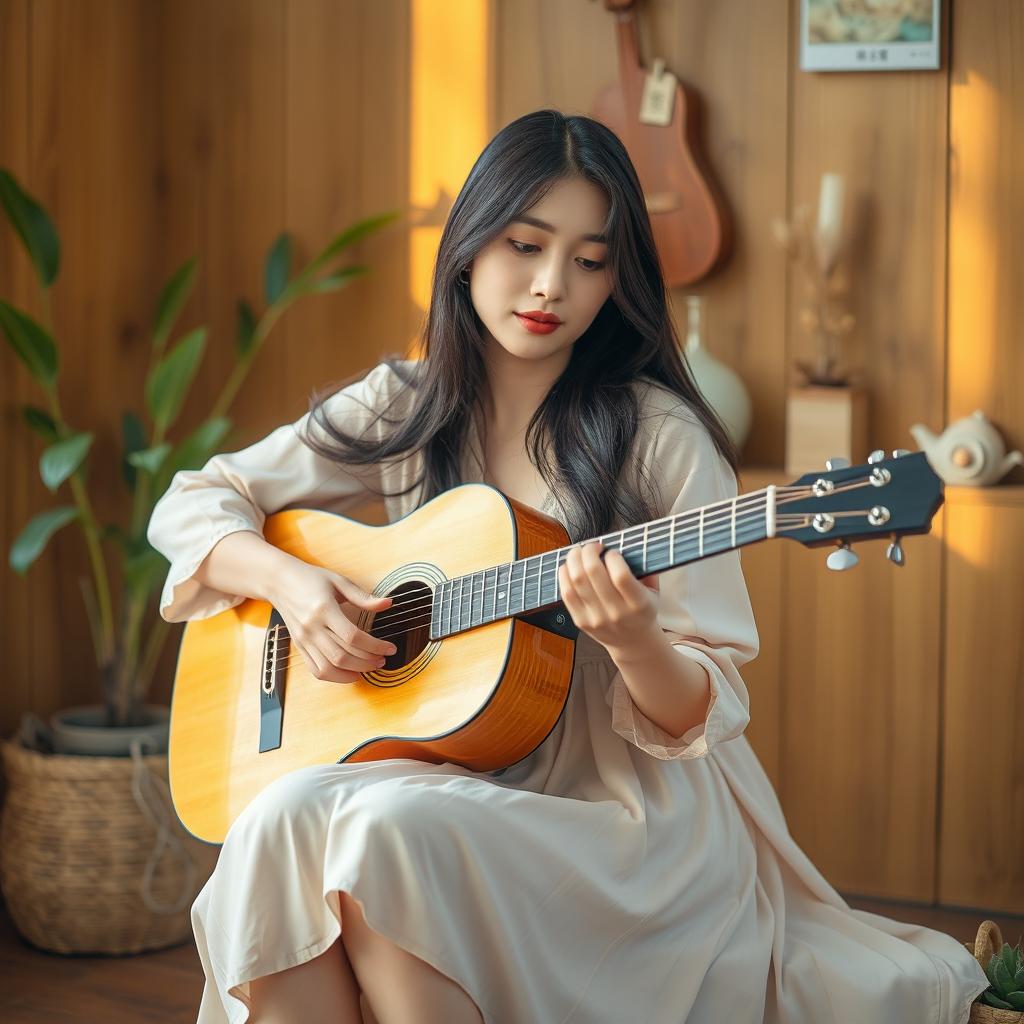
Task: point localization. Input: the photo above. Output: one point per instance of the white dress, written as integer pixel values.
(616, 874)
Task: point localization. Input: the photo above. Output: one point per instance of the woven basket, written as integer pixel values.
(92, 857)
(989, 940)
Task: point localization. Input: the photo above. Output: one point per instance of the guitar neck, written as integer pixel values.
(529, 584)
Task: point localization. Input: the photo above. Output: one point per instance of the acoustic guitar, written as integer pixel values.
(485, 647)
(689, 218)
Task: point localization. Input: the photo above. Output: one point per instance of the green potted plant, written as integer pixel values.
(128, 633)
(1003, 1001)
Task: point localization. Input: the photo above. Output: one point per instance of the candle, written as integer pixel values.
(830, 207)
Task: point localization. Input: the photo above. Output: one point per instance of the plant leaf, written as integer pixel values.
(246, 328)
(1009, 955)
(144, 570)
(33, 345)
(170, 379)
(275, 274)
(30, 543)
(133, 439)
(356, 233)
(40, 421)
(1016, 1000)
(34, 227)
(1003, 978)
(994, 1000)
(150, 459)
(332, 282)
(193, 452)
(173, 297)
(61, 459)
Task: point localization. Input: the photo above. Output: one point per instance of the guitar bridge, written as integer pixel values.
(276, 648)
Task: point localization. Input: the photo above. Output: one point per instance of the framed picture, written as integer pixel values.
(869, 35)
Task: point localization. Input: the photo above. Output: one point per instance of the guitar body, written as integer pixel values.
(689, 218)
(484, 698)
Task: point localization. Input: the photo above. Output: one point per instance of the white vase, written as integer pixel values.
(718, 383)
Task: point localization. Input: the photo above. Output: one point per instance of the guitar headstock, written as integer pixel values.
(884, 498)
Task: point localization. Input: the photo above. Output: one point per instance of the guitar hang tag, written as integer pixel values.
(659, 95)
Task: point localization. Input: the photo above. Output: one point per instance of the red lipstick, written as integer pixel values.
(537, 322)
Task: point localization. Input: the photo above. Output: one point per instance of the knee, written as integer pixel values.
(285, 802)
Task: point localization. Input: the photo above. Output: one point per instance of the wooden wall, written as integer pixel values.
(885, 702)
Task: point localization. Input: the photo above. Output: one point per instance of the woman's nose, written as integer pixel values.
(550, 280)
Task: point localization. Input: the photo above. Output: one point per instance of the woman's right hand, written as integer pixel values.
(318, 607)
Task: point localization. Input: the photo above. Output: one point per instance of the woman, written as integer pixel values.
(636, 865)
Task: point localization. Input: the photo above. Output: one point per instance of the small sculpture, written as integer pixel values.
(969, 451)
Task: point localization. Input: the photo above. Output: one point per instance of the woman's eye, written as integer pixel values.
(526, 245)
(594, 265)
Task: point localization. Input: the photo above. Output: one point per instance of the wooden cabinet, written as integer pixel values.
(887, 704)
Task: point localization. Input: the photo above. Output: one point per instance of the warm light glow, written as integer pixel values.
(975, 216)
(449, 125)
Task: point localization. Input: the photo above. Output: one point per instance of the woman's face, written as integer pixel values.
(553, 269)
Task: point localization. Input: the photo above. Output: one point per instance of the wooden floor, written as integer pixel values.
(45, 988)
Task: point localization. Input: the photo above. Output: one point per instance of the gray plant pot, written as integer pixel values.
(82, 730)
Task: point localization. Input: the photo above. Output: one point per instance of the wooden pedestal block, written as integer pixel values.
(822, 422)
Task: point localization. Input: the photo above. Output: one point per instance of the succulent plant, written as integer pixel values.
(1005, 971)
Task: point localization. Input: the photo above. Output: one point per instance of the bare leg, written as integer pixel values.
(400, 988)
(321, 991)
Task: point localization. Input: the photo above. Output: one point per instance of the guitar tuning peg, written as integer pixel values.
(842, 558)
(894, 552)
(837, 462)
(898, 453)
(876, 456)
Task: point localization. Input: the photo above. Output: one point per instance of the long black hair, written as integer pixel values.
(589, 419)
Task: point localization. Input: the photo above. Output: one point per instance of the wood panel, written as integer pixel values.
(860, 731)
(982, 833)
(20, 457)
(79, 135)
(986, 210)
(885, 132)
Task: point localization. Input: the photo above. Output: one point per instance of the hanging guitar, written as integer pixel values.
(657, 118)
(485, 648)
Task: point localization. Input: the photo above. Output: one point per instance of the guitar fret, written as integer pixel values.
(435, 616)
(464, 606)
(478, 600)
(518, 569)
(502, 601)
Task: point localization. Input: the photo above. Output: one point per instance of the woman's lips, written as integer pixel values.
(535, 326)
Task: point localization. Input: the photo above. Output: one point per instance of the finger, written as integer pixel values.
(605, 591)
(622, 578)
(584, 567)
(351, 661)
(311, 663)
(356, 640)
(357, 595)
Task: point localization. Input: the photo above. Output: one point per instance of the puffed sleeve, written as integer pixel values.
(236, 491)
(702, 606)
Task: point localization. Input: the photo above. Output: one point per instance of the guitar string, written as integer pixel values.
(422, 620)
(418, 620)
(722, 518)
(721, 523)
(718, 527)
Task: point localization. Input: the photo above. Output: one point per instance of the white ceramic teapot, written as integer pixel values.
(969, 451)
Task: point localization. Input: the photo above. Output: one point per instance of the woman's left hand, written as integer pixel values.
(606, 600)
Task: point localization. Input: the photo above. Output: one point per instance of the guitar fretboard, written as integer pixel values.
(528, 584)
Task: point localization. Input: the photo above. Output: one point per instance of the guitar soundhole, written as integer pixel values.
(406, 623)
